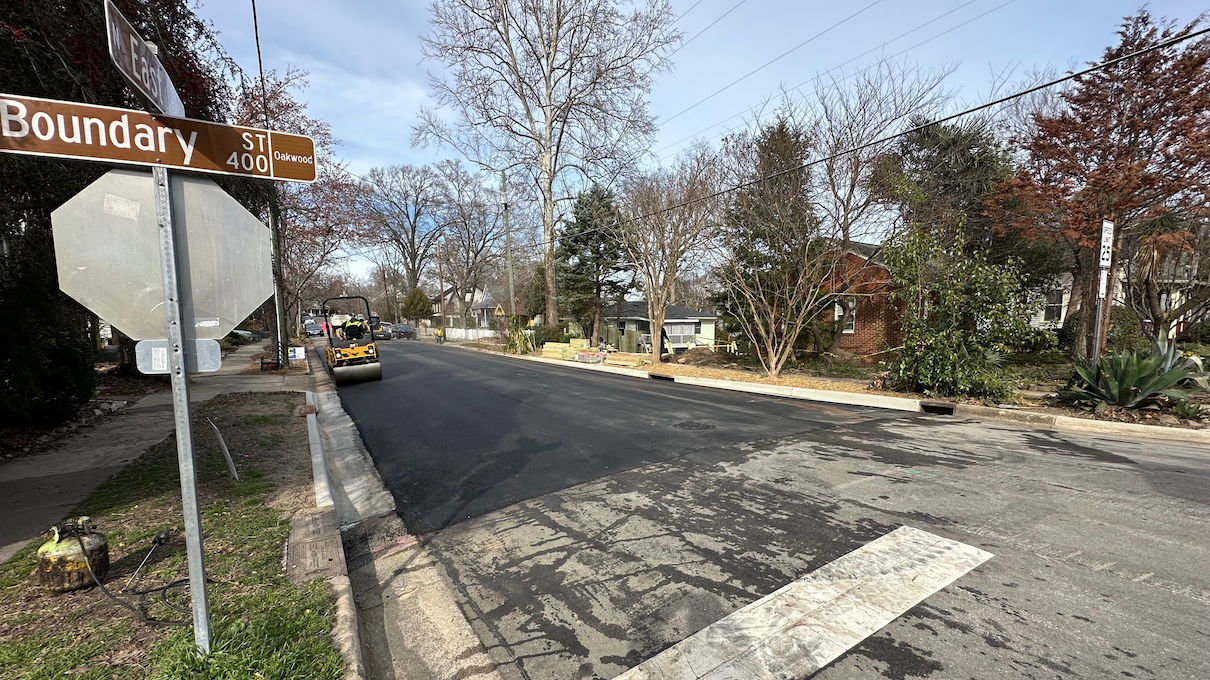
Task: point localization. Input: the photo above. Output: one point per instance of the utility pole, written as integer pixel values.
(279, 302)
(508, 244)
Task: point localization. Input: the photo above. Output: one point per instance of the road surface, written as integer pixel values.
(590, 521)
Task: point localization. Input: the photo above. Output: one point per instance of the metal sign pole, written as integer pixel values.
(1106, 259)
(174, 300)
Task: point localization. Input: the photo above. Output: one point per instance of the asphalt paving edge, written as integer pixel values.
(428, 634)
(966, 411)
(345, 633)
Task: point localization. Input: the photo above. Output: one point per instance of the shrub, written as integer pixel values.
(545, 334)
(1034, 341)
(1125, 331)
(1198, 333)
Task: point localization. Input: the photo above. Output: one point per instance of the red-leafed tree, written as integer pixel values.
(1131, 145)
(316, 221)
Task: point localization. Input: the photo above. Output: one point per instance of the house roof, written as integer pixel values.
(638, 310)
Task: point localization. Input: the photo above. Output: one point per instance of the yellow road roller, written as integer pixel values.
(351, 352)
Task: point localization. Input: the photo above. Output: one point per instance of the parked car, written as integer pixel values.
(384, 331)
(405, 331)
(313, 330)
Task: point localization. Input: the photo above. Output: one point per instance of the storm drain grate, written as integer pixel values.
(693, 425)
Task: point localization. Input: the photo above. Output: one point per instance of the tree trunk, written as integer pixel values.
(548, 247)
(656, 315)
(846, 312)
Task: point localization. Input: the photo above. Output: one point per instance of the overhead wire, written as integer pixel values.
(712, 23)
(903, 133)
(683, 14)
(849, 61)
(771, 61)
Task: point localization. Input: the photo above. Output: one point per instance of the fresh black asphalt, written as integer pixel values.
(456, 434)
(588, 521)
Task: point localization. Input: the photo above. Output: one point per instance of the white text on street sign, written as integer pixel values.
(48, 127)
(1106, 243)
(139, 64)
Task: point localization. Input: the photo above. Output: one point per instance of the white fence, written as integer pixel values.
(469, 333)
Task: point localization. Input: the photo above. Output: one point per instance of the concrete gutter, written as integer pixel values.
(1081, 425)
(968, 411)
(345, 633)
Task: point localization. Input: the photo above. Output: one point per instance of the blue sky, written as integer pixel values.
(368, 80)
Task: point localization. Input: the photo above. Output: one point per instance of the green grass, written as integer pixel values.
(263, 627)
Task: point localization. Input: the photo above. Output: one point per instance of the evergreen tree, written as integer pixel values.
(590, 259)
(416, 306)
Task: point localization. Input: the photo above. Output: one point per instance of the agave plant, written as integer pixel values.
(1132, 380)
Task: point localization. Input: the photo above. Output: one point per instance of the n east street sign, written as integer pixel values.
(139, 64)
(47, 127)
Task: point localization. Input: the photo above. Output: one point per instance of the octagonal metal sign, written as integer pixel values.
(107, 252)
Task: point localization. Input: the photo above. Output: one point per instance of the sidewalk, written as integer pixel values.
(37, 491)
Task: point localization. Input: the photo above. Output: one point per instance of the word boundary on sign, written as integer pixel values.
(48, 127)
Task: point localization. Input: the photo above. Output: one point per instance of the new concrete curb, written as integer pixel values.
(1039, 420)
(345, 633)
(1081, 425)
(827, 396)
(630, 372)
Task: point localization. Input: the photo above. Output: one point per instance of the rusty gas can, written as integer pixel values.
(61, 562)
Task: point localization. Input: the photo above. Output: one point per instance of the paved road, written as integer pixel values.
(591, 521)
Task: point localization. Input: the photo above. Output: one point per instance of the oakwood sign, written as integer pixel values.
(47, 127)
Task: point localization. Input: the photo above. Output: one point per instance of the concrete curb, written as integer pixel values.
(1039, 420)
(827, 396)
(616, 370)
(345, 633)
(1081, 425)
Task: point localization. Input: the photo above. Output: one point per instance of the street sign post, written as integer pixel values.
(48, 127)
(1103, 286)
(193, 321)
(140, 64)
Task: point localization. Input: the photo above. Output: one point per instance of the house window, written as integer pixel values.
(680, 333)
(1054, 306)
(850, 324)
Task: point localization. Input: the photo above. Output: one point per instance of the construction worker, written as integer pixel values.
(440, 333)
(354, 328)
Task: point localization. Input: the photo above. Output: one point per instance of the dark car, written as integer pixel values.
(405, 331)
(383, 332)
(313, 330)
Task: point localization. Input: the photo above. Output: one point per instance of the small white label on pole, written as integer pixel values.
(1106, 247)
(159, 359)
(1104, 284)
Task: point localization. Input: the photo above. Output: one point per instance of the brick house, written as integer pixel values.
(874, 326)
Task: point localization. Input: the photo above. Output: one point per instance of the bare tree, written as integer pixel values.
(878, 101)
(556, 86)
(472, 229)
(779, 265)
(668, 218)
(403, 201)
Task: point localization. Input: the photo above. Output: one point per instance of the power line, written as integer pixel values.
(712, 23)
(845, 63)
(883, 140)
(771, 61)
(682, 16)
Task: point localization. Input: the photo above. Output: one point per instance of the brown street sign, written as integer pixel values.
(47, 127)
(140, 64)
